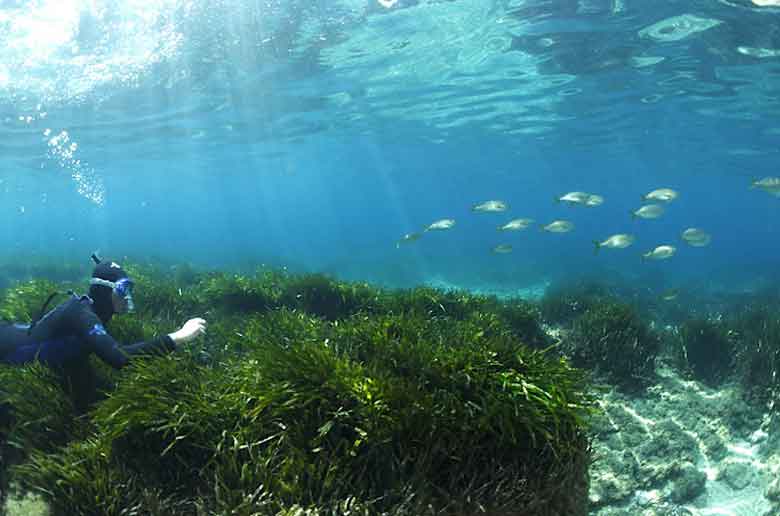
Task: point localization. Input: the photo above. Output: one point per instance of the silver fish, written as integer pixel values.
(619, 241)
(662, 252)
(516, 225)
(490, 207)
(408, 238)
(441, 225)
(502, 249)
(559, 226)
(661, 194)
(648, 211)
(696, 237)
(770, 185)
(574, 198)
(594, 200)
(767, 182)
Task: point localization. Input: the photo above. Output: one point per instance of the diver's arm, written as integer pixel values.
(104, 346)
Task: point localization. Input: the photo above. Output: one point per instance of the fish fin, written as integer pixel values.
(598, 246)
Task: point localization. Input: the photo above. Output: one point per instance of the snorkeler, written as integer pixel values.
(76, 327)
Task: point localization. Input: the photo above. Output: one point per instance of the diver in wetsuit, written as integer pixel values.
(73, 330)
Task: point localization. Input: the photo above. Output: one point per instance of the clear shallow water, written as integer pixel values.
(315, 135)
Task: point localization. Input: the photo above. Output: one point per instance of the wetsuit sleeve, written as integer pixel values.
(97, 340)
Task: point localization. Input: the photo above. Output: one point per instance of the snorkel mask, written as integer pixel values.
(110, 274)
(122, 288)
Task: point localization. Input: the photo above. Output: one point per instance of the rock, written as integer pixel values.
(608, 489)
(772, 492)
(602, 426)
(647, 499)
(669, 440)
(715, 446)
(771, 444)
(743, 418)
(654, 474)
(736, 474)
(674, 510)
(689, 484)
(758, 436)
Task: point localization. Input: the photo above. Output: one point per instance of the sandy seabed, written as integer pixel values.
(681, 448)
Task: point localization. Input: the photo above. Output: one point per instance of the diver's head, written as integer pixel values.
(111, 289)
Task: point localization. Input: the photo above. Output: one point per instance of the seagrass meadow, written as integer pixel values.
(308, 395)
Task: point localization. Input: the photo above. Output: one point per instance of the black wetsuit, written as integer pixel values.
(69, 332)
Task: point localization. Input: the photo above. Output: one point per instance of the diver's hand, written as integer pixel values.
(191, 329)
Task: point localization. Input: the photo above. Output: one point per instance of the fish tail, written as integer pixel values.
(633, 215)
(597, 245)
(557, 200)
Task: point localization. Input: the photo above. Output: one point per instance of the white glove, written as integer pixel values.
(191, 329)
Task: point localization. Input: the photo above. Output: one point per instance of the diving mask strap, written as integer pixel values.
(112, 286)
(102, 283)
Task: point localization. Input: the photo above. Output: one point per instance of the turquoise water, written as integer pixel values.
(315, 134)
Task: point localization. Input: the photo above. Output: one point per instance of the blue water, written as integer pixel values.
(315, 134)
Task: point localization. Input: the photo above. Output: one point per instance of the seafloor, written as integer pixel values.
(674, 447)
(677, 447)
(682, 448)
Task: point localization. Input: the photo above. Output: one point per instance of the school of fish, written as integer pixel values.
(653, 208)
